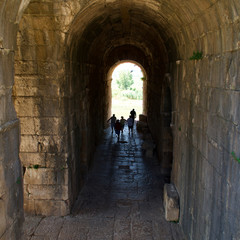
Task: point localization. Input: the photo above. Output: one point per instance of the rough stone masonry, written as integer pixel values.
(55, 63)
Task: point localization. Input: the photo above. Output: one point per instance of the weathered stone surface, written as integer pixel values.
(148, 147)
(142, 118)
(34, 143)
(46, 192)
(103, 211)
(141, 126)
(68, 50)
(57, 160)
(3, 225)
(51, 207)
(29, 205)
(30, 224)
(171, 203)
(38, 176)
(30, 159)
(49, 226)
(11, 196)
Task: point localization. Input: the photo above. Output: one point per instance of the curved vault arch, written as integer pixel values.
(118, 63)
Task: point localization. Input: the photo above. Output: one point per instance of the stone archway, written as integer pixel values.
(144, 86)
(69, 53)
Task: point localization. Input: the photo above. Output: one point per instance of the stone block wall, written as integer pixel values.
(41, 108)
(159, 119)
(41, 99)
(55, 98)
(11, 192)
(205, 120)
(206, 128)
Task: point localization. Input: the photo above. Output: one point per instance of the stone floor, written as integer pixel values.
(122, 199)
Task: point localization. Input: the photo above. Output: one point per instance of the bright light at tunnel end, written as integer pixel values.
(124, 100)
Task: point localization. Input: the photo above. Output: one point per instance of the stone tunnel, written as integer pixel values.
(56, 60)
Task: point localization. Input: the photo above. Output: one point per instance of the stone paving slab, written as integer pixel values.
(121, 200)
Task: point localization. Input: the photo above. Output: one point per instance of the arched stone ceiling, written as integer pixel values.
(151, 25)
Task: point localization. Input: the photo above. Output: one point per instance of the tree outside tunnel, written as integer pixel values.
(127, 89)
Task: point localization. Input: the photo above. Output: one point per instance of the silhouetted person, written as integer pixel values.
(133, 115)
(122, 121)
(118, 128)
(130, 122)
(113, 121)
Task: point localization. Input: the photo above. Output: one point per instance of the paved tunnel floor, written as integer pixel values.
(122, 199)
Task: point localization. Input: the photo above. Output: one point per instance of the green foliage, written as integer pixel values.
(235, 157)
(196, 56)
(135, 94)
(125, 80)
(36, 166)
(18, 180)
(132, 94)
(127, 84)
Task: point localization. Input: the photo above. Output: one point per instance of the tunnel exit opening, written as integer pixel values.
(127, 88)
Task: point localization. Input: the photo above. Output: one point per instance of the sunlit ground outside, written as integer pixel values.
(123, 107)
(127, 90)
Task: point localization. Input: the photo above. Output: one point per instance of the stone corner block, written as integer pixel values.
(52, 207)
(141, 125)
(171, 202)
(142, 118)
